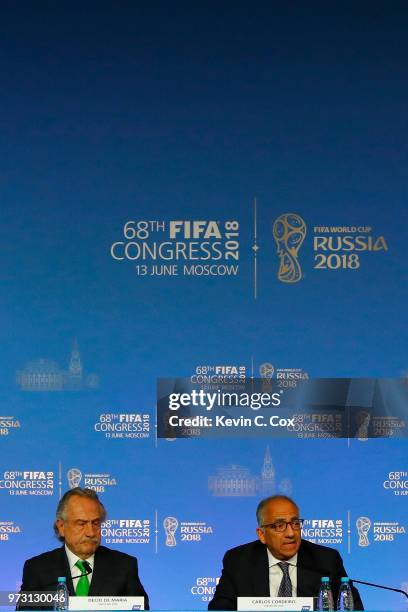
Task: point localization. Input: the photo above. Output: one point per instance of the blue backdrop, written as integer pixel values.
(283, 128)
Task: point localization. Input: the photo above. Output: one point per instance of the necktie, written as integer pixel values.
(82, 587)
(285, 587)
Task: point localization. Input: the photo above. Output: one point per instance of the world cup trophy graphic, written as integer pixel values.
(363, 421)
(363, 525)
(74, 477)
(289, 231)
(170, 525)
(266, 371)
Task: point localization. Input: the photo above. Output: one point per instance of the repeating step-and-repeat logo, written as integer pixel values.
(370, 531)
(279, 377)
(9, 530)
(234, 374)
(186, 248)
(396, 482)
(326, 531)
(126, 531)
(378, 426)
(9, 424)
(333, 248)
(208, 247)
(123, 425)
(98, 481)
(209, 374)
(289, 231)
(204, 587)
(27, 482)
(177, 531)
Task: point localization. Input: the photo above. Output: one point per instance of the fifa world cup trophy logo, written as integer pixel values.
(289, 231)
(266, 371)
(74, 477)
(170, 525)
(363, 421)
(363, 525)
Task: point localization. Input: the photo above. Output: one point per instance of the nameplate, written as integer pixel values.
(106, 603)
(275, 603)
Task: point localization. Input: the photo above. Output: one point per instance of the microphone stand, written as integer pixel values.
(380, 586)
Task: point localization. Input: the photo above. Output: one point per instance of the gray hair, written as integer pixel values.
(61, 513)
(266, 501)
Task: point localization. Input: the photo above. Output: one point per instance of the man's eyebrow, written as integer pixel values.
(283, 518)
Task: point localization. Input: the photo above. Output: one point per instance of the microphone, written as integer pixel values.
(88, 570)
(323, 572)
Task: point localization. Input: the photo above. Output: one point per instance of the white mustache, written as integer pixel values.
(92, 539)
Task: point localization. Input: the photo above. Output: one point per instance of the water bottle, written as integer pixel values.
(62, 596)
(325, 600)
(345, 599)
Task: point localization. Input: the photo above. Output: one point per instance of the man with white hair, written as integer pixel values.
(78, 522)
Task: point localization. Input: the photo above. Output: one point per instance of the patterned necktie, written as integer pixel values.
(82, 587)
(285, 587)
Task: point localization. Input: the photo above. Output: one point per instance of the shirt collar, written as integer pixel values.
(72, 559)
(274, 561)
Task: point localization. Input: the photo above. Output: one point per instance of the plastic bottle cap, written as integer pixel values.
(62, 579)
(325, 579)
(345, 579)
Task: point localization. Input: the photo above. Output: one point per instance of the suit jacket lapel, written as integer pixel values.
(308, 581)
(65, 570)
(260, 572)
(100, 573)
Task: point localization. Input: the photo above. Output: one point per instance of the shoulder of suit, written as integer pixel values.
(115, 555)
(246, 549)
(318, 548)
(50, 555)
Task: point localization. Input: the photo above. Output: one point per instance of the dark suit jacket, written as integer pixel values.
(114, 573)
(246, 574)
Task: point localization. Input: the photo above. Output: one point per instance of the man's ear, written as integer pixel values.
(261, 534)
(59, 523)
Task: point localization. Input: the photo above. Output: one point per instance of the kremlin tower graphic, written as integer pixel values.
(46, 375)
(238, 481)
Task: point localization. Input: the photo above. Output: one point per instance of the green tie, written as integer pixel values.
(82, 587)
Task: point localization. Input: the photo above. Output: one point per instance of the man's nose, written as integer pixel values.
(289, 530)
(90, 529)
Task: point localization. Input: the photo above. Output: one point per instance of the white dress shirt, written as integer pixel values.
(276, 574)
(75, 571)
